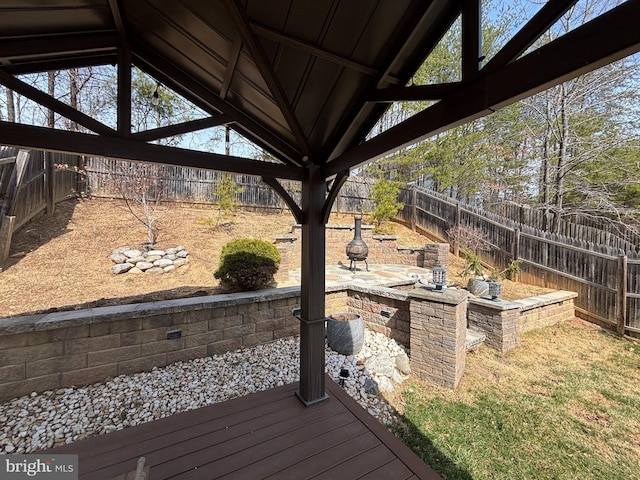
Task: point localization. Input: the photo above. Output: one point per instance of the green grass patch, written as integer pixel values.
(565, 405)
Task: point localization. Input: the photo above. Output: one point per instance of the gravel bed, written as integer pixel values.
(43, 420)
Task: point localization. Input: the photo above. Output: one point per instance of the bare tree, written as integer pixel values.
(141, 187)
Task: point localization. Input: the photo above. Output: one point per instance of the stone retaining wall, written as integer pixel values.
(49, 351)
(54, 350)
(383, 249)
(504, 322)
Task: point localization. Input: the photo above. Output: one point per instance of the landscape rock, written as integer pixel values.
(371, 387)
(380, 364)
(403, 364)
(162, 262)
(121, 268)
(384, 384)
(118, 257)
(154, 271)
(132, 260)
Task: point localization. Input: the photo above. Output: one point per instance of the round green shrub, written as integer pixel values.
(248, 264)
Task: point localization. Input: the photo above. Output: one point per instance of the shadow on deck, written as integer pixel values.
(264, 435)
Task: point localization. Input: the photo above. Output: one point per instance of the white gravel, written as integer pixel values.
(42, 420)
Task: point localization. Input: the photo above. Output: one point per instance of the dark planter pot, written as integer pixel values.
(345, 333)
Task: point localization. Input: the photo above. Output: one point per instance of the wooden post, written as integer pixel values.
(622, 293)
(6, 232)
(124, 92)
(414, 209)
(15, 182)
(515, 249)
(49, 184)
(456, 245)
(312, 303)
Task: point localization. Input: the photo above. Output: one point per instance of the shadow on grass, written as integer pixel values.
(422, 446)
(39, 231)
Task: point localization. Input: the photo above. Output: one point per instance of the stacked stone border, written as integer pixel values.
(62, 349)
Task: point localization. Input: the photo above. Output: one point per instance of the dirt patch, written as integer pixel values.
(62, 262)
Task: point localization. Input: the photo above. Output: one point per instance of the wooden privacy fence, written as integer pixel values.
(607, 279)
(191, 185)
(573, 225)
(32, 182)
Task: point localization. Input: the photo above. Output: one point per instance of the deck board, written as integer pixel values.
(264, 435)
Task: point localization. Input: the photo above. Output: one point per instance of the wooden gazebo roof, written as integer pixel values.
(304, 79)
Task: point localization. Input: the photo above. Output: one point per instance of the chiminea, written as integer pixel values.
(356, 249)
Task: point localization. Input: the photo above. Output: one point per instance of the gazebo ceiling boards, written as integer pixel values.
(306, 80)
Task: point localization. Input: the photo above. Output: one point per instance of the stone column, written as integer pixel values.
(436, 254)
(438, 335)
(285, 245)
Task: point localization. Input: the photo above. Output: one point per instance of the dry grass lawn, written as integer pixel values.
(62, 261)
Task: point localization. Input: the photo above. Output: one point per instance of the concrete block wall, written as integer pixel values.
(384, 310)
(504, 322)
(50, 351)
(383, 249)
(546, 310)
(62, 349)
(497, 320)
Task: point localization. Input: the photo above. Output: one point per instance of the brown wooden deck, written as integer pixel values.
(265, 435)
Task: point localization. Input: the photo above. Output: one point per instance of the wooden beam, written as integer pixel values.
(338, 182)
(260, 58)
(359, 120)
(291, 203)
(124, 92)
(195, 92)
(181, 128)
(311, 49)
(117, 19)
(471, 39)
(231, 67)
(573, 54)
(128, 149)
(41, 47)
(61, 63)
(415, 93)
(549, 14)
(57, 106)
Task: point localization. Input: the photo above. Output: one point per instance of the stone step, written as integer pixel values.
(475, 338)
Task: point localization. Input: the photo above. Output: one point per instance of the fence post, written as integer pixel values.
(6, 232)
(456, 245)
(622, 293)
(413, 208)
(49, 185)
(515, 248)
